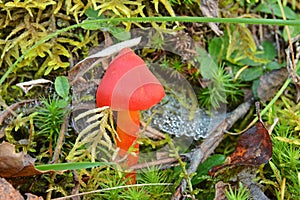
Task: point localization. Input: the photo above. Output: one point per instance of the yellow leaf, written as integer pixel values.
(68, 40)
(168, 7)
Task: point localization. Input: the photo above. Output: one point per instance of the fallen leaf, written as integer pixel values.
(14, 164)
(7, 191)
(26, 86)
(33, 197)
(254, 148)
(270, 83)
(220, 190)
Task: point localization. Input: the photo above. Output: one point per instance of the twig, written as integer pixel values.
(160, 162)
(10, 109)
(202, 152)
(150, 132)
(76, 188)
(60, 138)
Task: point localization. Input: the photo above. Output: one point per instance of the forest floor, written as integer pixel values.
(225, 124)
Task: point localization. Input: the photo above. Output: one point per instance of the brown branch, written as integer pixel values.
(152, 133)
(161, 162)
(10, 109)
(60, 139)
(207, 147)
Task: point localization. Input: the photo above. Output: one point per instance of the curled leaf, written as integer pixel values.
(14, 164)
(254, 148)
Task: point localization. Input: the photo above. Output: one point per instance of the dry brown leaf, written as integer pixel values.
(14, 164)
(270, 83)
(33, 197)
(8, 192)
(253, 148)
(220, 188)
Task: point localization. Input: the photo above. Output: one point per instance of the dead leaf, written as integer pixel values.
(14, 164)
(220, 188)
(115, 48)
(7, 191)
(26, 86)
(33, 197)
(254, 148)
(270, 83)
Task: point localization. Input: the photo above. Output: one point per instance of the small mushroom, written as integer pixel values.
(128, 86)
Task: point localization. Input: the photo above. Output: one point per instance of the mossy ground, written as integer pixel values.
(241, 56)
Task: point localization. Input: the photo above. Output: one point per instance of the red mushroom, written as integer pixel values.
(128, 87)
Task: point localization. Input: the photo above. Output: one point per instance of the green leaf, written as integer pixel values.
(93, 14)
(273, 65)
(70, 166)
(215, 48)
(249, 62)
(269, 51)
(62, 86)
(251, 73)
(62, 103)
(119, 33)
(92, 25)
(274, 8)
(203, 168)
(208, 68)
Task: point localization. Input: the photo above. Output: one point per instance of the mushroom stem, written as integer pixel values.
(128, 123)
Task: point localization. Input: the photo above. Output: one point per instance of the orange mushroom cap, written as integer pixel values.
(128, 84)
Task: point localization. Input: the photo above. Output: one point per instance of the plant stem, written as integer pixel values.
(277, 22)
(183, 165)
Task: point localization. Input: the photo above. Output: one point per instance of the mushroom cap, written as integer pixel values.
(128, 84)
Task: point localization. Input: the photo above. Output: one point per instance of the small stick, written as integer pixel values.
(161, 162)
(207, 147)
(60, 139)
(10, 109)
(150, 132)
(76, 188)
